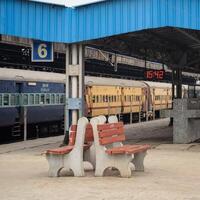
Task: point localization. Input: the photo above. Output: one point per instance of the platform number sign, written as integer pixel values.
(42, 51)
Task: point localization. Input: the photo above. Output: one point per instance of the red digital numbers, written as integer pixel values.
(154, 74)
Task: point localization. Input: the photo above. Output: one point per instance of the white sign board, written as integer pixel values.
(69, 3)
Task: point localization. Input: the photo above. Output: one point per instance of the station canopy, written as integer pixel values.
(165, 31)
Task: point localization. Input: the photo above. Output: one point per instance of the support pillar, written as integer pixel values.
(74, 86)
(176, 87)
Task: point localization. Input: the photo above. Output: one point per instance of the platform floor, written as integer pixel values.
(172, 171)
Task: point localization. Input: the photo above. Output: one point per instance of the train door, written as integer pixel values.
(16, 129)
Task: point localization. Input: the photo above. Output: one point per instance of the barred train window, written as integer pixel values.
(47, 99)
(13, 101)
(25, 99)
(93, 99)
(0, 99)
(31, 99)
(6, 100)
(52, 98)
(57, 98)
(62, 98)
(37, 97)
(42, 100)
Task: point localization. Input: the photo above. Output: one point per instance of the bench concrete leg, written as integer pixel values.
(125, 171)
(138, 161)
(78, 171)
(99, 171)
(55, 164)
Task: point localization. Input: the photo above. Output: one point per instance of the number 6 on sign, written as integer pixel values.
(42, 51)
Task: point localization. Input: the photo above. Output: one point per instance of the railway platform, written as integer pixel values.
(168, 175)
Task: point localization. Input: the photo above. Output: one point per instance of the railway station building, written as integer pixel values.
(160, 31)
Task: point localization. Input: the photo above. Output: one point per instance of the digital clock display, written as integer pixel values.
(152, 74)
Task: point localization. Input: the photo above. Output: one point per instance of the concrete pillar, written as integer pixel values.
(74, 86)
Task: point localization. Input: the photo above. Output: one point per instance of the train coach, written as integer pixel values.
(43, 95)
(127, 98)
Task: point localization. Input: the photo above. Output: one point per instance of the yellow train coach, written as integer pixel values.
(108, 96)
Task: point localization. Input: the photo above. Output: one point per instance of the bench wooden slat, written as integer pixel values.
(107, 126)
(64, 150)
(110, 140)
(112, 132)
(60, 150)
(88, 135)
(128, 149)
(73, 127)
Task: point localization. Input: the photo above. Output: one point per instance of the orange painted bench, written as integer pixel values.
(114, 132)
(110, 152)
(72, 138)
(71, 157)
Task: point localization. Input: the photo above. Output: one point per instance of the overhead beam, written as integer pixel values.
(183, 32)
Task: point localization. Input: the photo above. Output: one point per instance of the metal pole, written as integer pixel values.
(66, 114)
(81, 78)
(147, 99)
(25, 123)
(140, 106)
(179, 85)
(131, 113)
(154, 109)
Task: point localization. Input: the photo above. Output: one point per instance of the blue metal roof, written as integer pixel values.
(59, 24)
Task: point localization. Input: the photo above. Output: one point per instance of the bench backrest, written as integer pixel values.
(88, 135)
(110, 133)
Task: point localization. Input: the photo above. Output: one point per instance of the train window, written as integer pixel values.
(114, 98)
(47, 99)
(42, 99)
(137, 98)
(57, 99)
(37, 99)
(52, 99)
(31, 99)
(97, 99)
(12, 100)
(157, 98)
(25, 99)
(93, 99)
(62, 98)
(6, 100)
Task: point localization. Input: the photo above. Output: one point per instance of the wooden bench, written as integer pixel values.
(120, 156)
(71, 157)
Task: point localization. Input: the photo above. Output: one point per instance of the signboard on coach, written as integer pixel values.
(42, 51)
